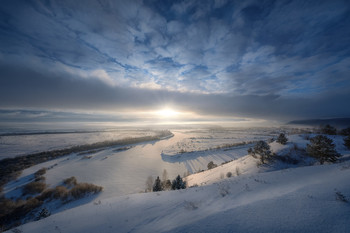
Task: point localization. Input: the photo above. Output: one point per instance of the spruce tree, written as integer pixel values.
(345, 132)
(323, 149)
(328, 129)
(347, 142)
(282, 139)
(263, 149)
(178, 183)
(157, 185)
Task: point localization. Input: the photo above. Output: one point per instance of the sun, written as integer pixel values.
(167, 113)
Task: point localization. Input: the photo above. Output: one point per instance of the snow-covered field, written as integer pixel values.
(124, 172)
(202, 140)
(277, 197)
(12, 145)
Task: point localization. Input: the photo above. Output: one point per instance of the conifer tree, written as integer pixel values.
(262, 149)
(157, 185)
(328, 129)
(323, 149)
(347, 142)
(282, 139)
(178, 183)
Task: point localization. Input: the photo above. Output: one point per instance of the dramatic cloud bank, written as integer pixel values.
(276, 60)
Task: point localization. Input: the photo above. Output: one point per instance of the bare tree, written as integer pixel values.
(149, 184)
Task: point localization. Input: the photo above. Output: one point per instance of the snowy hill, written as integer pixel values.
(277, 197)
(306, 199)
(294, 196)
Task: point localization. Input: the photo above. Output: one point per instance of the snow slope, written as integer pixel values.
(294, 200)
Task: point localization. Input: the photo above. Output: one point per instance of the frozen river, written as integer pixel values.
(124, 172)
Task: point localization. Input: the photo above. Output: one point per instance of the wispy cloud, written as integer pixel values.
(265, 54)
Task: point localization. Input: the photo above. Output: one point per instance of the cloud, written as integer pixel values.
(233, 57)
(64, 91)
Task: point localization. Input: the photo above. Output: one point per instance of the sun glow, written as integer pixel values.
(167, 113)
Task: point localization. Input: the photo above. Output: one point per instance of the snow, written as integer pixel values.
(125, 171)
(293, 200)
(206, 139)
(257, 198)
(12, 145)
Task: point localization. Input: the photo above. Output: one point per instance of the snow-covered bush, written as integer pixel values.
(323, 149)
(282, 139)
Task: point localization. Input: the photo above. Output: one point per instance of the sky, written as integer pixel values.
(201, 60)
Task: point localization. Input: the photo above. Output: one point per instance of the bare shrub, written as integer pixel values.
(83, 189)
(165, 175)
(60, 192)
(40, 178)
(44, 213)
(238, 171)
(166, 185)
(340, 197)
(40, 172)
(33, 188)
(228, 174)
(211, 165)
(71, 181)
(7, 206)
(28, 206)
(224, 190)
(189, 205)
(46, 195)
(149, 184)
(13, 212)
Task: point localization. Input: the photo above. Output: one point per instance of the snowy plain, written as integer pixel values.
(15, 144)
(125, 171)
